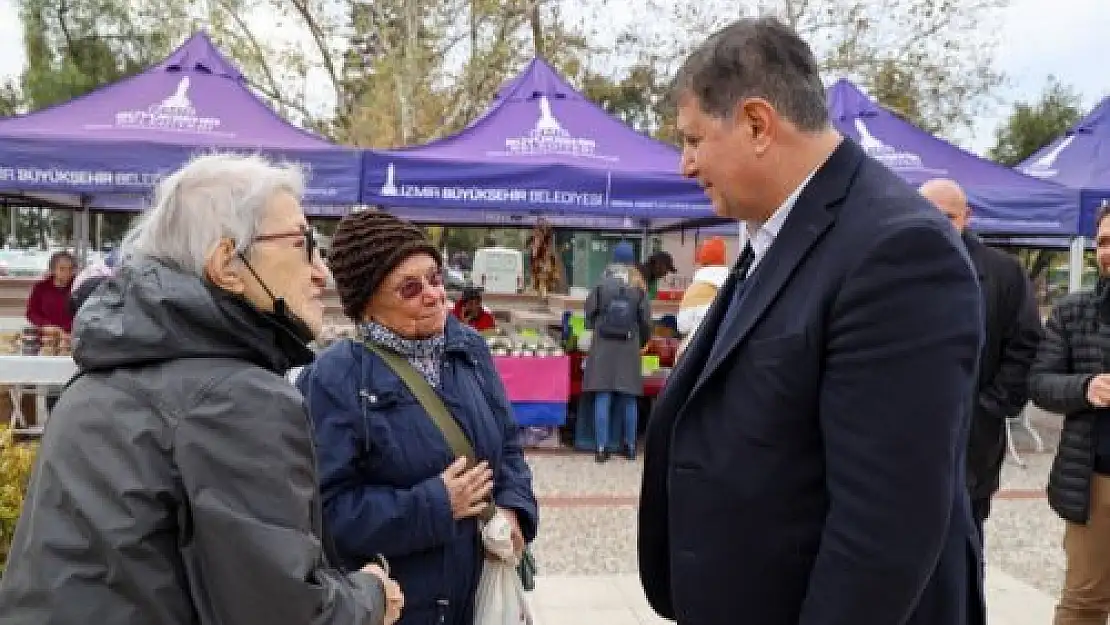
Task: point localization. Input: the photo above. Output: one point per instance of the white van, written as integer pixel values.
(498, 270)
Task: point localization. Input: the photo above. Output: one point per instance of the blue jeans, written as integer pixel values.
(625, 406)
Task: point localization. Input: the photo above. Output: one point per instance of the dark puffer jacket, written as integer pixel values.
(176, 482)
(1075, 348)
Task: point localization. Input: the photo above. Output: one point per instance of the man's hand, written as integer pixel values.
(394, 598)
(1098, 391)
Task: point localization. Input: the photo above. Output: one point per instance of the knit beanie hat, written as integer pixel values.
(367, 245)
(712, 252)
(624, 254)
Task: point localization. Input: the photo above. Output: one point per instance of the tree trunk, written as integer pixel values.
(537, 29)
(406, 78)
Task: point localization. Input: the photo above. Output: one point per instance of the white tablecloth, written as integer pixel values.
(36, 370)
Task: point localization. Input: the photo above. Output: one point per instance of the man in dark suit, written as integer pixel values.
(805, 463)
(1013, 331)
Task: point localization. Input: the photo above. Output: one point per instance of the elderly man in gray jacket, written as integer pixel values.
(176, 482)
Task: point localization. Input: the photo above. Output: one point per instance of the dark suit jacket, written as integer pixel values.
(1013, 331)
(812, 471)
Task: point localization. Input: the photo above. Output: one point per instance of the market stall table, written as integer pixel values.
(537, 386)
(40, 372)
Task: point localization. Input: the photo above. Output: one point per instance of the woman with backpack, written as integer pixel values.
(619, 313)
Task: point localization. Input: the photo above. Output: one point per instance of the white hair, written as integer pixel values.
(213, 197)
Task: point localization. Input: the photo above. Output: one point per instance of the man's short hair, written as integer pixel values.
(756, 57)
(1103, 213)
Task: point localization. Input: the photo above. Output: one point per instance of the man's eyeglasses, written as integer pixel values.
(307, 240)
(411, 287)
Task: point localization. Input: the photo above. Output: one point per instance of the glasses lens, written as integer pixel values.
(411, 288)
(435, 279)
(310, 244)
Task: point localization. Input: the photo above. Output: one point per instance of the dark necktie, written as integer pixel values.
(744, 263)
(740, 270)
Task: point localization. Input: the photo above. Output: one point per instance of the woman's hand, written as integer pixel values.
(468, 489)
(518, 536)
(394, 598)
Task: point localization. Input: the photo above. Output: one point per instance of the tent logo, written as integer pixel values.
(389, 189)
(175, 113)
(548, 136)
(1043, 166)
(888, 155)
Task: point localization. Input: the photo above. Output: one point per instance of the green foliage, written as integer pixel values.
(11, 99)
(1032, 126)
(16, 463)
(75, 46)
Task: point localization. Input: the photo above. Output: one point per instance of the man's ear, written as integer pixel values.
(759, 119)
(222, 268)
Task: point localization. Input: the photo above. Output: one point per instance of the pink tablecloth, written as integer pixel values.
(533, 379)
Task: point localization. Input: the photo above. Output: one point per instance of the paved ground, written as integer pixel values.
(586, 549)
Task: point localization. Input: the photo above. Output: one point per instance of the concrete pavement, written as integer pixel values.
(618, 600)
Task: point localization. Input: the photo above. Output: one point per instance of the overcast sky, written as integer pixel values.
(1039, 38)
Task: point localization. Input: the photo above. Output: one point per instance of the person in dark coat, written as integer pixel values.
(1070, 377)
(613, 371)
(176, 482)
(804, 464)
(1013, 330)
(657, 266)
(389, 480)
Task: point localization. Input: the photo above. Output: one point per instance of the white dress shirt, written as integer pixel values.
(763, 235)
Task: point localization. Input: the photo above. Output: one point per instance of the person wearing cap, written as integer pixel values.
(658, 266)
(711, 274)
(177, 482)
(469, 310)
(390, 481)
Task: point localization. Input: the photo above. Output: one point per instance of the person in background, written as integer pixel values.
(805, 462)
(708, 279)
(658, 266)
(618, 312)
(1070, 377)
(469, 310)
(48, 304)
(90, 278)
(391, 484)
(1013, 330)
(177, 482)
(48, 309)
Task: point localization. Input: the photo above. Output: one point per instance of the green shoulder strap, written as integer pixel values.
(429, 400)
(456, 438)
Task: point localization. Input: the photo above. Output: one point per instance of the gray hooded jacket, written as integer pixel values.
(176, 481)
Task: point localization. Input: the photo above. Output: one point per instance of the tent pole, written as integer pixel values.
(1075, 264)
(82, 231)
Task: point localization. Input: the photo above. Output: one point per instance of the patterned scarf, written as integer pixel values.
(426, 355)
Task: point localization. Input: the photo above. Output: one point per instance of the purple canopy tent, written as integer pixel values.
(1003, 200)
(541, 148)
(1079, 160)
(112, 145)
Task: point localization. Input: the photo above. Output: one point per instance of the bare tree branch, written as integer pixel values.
(274, 90)
(321, 43)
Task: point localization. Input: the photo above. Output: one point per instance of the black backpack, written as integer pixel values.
(620, 317)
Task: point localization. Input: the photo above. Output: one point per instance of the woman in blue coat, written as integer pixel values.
(391, 485)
